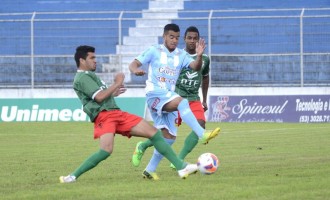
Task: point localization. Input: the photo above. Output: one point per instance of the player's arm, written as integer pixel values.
(205, 81)
(205, 88)
(134, 67)
(197, 63)
(115, 89)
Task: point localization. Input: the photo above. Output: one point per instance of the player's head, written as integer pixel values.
(171, 36)
(85, 58)
(191, 37)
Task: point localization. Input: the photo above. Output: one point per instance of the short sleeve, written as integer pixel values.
(146, 56)
(88, 86)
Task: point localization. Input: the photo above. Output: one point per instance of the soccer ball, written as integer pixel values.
(207, 163)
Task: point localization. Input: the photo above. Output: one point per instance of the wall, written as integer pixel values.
(139, 92)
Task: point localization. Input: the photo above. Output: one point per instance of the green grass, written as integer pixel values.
(258, 161)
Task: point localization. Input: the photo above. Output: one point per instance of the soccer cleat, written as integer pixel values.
(189, 169)
(67, 179)
(150, 175)
(207, 136)
(137, 155)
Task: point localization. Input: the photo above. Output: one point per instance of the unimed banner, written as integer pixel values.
(293, 108)
(57, 109)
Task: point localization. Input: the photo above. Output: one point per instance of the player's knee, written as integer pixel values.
(108, 149)
(167, 135)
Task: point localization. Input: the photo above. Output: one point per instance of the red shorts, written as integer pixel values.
(197, 109)
(115, 121)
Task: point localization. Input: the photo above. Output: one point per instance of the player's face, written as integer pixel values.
(171, 40)
(90, 63)
(191, 39)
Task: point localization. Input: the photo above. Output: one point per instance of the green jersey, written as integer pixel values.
(189, 81)
(87, 84)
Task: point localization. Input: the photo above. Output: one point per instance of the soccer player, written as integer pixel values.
(165, 63)
(187, 86)
(99, 104)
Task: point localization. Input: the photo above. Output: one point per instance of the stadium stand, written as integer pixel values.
(58, 33)
(233, 34)
(267, 35)
(21, 6)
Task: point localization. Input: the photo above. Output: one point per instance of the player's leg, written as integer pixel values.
(150, 170)
(167, 101)
(189, 118)
(144, 129)
(155, 102)
(105, 133)
(106, 143)
(166, 123)
(169, 130)
(192, 139)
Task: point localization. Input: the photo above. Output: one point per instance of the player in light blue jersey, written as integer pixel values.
(165, 63)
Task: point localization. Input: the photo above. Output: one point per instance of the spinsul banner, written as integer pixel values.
(57, 109)
(292, 108)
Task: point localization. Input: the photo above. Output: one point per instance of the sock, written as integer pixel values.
(145, 144)
(189, 118)
(157, 157)
(91, 162)
(189, 144)
(166, 150)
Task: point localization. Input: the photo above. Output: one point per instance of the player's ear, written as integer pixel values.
(81, 60)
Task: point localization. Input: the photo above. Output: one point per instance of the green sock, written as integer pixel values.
(189, 144)
(166, 150)
(91, 162)
(145, 144)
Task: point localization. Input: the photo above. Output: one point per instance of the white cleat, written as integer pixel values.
(189, 169)
(67, 179)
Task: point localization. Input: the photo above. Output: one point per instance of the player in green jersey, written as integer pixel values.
(187, 86)
(98, 102)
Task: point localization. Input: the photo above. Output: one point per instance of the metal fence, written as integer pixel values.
(269, 47)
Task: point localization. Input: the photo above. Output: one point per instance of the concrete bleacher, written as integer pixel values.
(61, 37)
(50, 71)
(255, 4)
(278, 35)
(11, 6)
(59, 34)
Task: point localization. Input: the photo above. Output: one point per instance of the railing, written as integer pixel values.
(268, 47)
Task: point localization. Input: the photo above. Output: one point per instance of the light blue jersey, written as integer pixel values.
(164, 66)
(163, 72)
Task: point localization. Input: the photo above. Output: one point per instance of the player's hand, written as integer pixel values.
(120, 91)
(205, 106)
(119, 78)
(139, 72)
(200, 47)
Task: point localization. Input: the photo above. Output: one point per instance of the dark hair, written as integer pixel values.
(171, 27)
(82, 52)
(191, 29)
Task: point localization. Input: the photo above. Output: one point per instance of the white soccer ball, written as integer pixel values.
(207, 163)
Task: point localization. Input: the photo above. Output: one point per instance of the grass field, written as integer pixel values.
(258, 161)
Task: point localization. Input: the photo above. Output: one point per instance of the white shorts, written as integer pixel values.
(162, 119)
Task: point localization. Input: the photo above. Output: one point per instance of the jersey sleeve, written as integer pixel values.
(145, 57)
(88, 86)
(187, 60)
